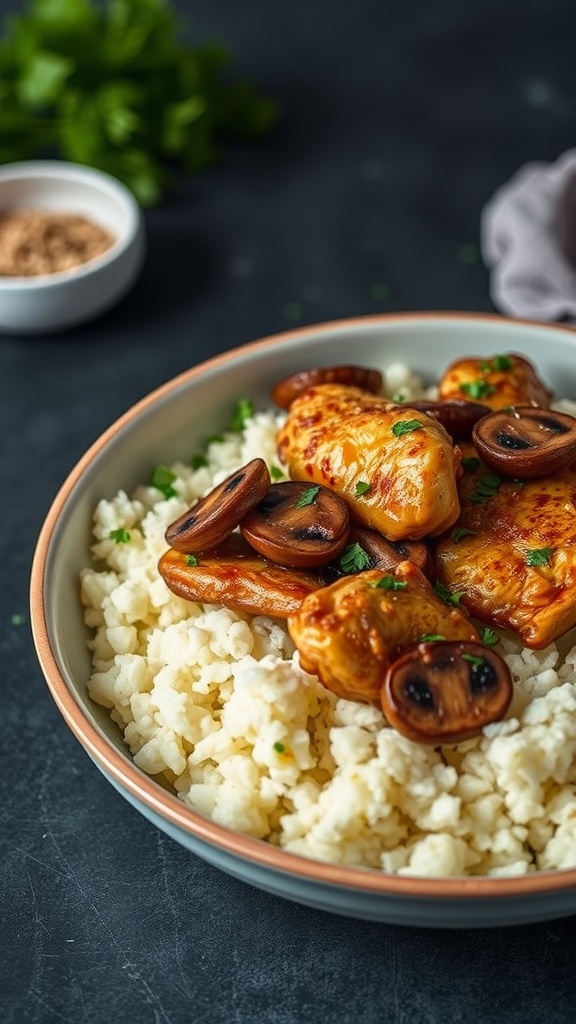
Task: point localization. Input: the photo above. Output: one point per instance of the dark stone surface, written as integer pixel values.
(399, 121)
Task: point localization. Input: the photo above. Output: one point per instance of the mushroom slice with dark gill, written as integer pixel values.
(213, 517)
(526, 442)
(298, 525)
(446, 692)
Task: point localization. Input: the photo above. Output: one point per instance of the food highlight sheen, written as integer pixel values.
(314, 633)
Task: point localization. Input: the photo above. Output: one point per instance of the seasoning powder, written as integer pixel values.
(36, 242)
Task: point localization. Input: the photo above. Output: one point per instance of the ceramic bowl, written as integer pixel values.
(164, 426)
(43, 304)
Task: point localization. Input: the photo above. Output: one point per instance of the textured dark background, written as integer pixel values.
(399, 121)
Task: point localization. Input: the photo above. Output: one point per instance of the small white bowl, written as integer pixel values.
(45, 303)
(167, 425)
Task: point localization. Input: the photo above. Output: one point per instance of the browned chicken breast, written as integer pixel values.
(512, 554)
(496, 381)
(395, 467)
(349, 632)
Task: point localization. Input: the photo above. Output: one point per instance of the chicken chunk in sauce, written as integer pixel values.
(395, 467)
(349, 633)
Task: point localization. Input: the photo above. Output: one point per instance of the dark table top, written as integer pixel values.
(399, 121)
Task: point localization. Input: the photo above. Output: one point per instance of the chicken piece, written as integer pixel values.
(496, 381)
(234, 575)
(348, 633)
(395, 467)
(512, 555)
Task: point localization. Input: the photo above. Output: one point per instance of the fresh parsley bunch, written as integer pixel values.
(111, 85)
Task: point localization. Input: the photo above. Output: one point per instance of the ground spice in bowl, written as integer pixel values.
(34, 242)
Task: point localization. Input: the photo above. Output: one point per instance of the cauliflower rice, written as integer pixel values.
(215, 704)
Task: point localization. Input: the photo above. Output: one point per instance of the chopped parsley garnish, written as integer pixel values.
(214, 439)
(163, 478)
(498, 363)
(488, 636)
(307, 497)
(445, 595)
(354, 559)
(279, 747)
(470, 463)
(120, 536)
(429, 638)
(276, 473)
(191, 560)
(362, 487)
(477, 388)
(198, 461)
(538, 556)
(406, 427)
(244, 411)
(474, 659)
(399, 397)
(388, 582)
(460, 532)
(486, 488)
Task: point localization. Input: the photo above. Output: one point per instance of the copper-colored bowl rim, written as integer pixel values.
(159, 801)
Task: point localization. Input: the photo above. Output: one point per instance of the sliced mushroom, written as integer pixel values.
(526, 441)
(446, 691)
(287, 390)
(211, 519)
(297, 525)
(457, 415)
(235, 576)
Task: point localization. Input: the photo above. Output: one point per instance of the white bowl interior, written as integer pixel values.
(173, 423)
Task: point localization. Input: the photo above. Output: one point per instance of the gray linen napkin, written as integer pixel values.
(524, 240)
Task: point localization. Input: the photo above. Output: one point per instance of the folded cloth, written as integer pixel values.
(523, 230)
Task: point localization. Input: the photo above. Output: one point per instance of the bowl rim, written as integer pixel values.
(103, 183)
(123, 772)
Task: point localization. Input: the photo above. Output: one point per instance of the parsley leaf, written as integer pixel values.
(354, 559)
(362, 487)
(406, 427)
(276, 473)
(120, 536)
(388, 582)
(163, 478)
(446, 595)
(244, 411)
(191, 560)
(470, 463)
(538, 556)
(428, 638)
(488, 636)
(486, 487)
(474, 659)
(307, 497)
(460, 532)
(477, 388)
(198, 461)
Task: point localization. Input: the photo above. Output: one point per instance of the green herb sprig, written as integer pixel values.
(538, 556)
(308, 497)
(354, 559)
(388, 582)
(112, 85)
